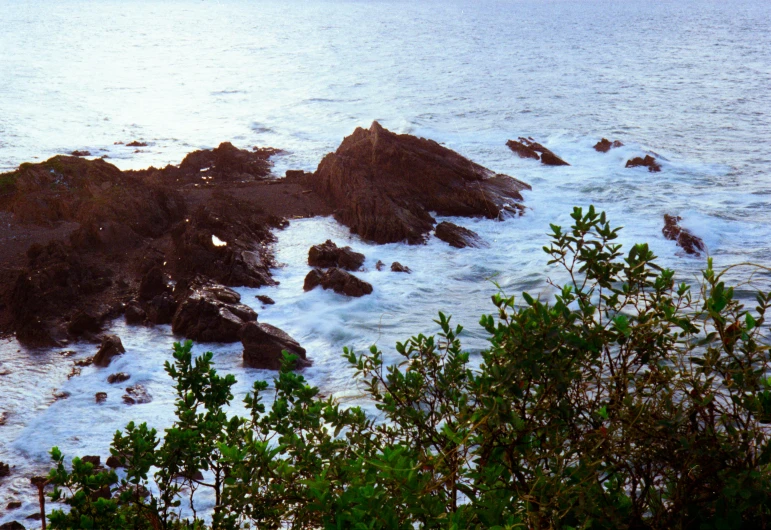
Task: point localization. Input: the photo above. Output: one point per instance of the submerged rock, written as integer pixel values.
(137, 395)
(211, 313)
(100, 397)
(383, 185)
(338, 280)
(111, 346)
(5, 469)
(118, 377)
(328, 254)
(605, 145)
(267, 300)
(457, 236)
(398, 267)
(690, 243)
(263, 346)
(529, 148)
(649, 162)
(81, 153)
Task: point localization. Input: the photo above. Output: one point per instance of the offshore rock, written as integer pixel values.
(264, 343)
(457, 236)
(649, 162)
(338, 280)
(382, 185)
(330, 255)
(690, 243)
(137, 395)
(605, 145)
(111, 346)
(398, 267)
(529, 148)
(211, 313)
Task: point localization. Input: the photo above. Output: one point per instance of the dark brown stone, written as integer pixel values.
(94, 460)
(81, 153)
(136, 143)
(328, 254)
(690, 243)
(161, 309)
(529, 148)
(153, 283)
(100, 397)
(135, 314)
(118, 377)
(110, 347)
(263, 346)
(212, 313)
(649, 162)
(267, 300)
(605, 145)
(398, 267)
(379, 265)
(5, 469)
(13, 525)
(384, 184)
(83, 322)
(457, 236)
(113, 462)
(136, 395)
(338, 280)
(13, 505)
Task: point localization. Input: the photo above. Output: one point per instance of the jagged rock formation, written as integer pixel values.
(649, 162)
(457, 236)
(328, 254)
(263, 346)
(338, 280)
(382, 185)
(690, 243)
(605, 145)
(211, 313)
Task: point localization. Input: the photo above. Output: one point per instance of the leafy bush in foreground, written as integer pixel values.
(627, 402)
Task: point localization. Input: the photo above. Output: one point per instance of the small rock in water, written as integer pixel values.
(379, 265)
(690, 243)
(457, 236)
(328, 254)
(398, 267)
(338, 280)
(111, 346)
(81, 153)
(605, 145)
(267, 300)
(3, 418)
(649, 162)
(5, 469)
(135, 143)
(113, 462)
(13, 525)
(61, 395)
(13, 505)
(529, 148)
(118, 377)
(264, 343)
(136, 395)
(101, 397)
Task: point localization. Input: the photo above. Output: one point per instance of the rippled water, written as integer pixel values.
(688, 80)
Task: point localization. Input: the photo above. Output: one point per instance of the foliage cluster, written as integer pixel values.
(626, 402)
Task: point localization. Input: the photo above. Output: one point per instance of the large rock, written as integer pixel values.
(649, 162)
(328, 254)
(211, 313)
(110, 347)
(338, 280)
(263, 346)
(457, 236)
(605, 145)
(384, 184)
(13, 525)
(529, 148)
(153, 283)
(690, 243)
(226, 162)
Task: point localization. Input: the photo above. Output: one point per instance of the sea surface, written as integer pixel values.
(688, 80)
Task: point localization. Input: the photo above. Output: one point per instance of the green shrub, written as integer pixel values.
(628, 402)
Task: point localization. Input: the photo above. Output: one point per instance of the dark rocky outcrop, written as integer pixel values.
(605, 145)
(161, 309)
(328, 254)
(113, 462)
(94, 460)
(211, 313)
(529, 148)
(5, 469)
(13, 505)
(225, 162)
(137, 395)
(457, 236)
(649, 162)
(100, 397)
(135, 313)
(13, 525)
(110, 347)
(398, 267)
(383, 185)
(690, 243)
(84, 322)
(136, 143)
(379, 265)
(338, 280)
(118, 377)
(263, 346)
(81, 153)
(154, 283)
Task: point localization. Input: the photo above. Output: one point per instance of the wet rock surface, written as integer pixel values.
(118, 377)
(5, 469)
(328, 254)
(263, 346)
(338, 280)
(266, 300)
(605, 145)
(648, 161)
(136, 395)
(529, 148)
(111, 346)
(382, 185)
(457, 236)
(398, 267)
(13, 525)
(100, 397)
(211, 313)
(690, 243)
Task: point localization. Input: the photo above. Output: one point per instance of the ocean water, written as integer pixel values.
(688, 80)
